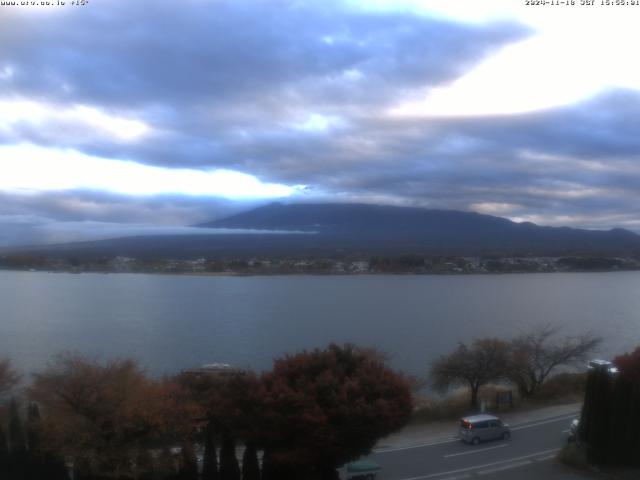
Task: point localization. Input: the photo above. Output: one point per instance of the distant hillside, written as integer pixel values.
(362, 230)
(422, 230)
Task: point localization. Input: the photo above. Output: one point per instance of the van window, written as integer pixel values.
(481, 425)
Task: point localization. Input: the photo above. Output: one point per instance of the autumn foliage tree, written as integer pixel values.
(323, 408)
(99, 414)
(484, 361)
(9, 378)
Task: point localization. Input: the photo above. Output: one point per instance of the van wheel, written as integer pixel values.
(475, 441)
(506, 436)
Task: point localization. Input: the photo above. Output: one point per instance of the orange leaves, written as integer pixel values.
(326, 407)
(629, 366)
(8, 377)
(97, 411)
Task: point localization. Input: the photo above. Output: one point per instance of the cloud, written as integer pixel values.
(33, 230)
(185, 110)
(28, 169)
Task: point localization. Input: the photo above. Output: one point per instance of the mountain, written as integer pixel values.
(419, 230)
(362, 230)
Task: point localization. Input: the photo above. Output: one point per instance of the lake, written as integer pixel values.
(172, 322)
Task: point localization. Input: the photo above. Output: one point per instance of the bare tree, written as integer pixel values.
(535, 354)
(482, 362)
(9, 378)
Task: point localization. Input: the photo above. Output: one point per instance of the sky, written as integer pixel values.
(122, 116)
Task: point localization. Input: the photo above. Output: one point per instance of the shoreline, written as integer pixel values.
(308, 274)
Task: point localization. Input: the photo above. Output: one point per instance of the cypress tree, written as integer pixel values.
(144, 465)
(165, 465)
(272, 470)
(17, 440)
(4, 454)
(250, 465)
(35, 457)
(229, 468)
(33, 429)
(18, 461)
(189, 467)
(210, 461)
(268, 472)
(43, 462)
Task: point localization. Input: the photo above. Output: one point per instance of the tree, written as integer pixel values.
(323, 408)
(539, 352)
(228, 405)
(596, 414)
(9, 378)
(210, 460)
(250, 465)
(100, 415)
(4, 454)
(42, 461)
(476, 365)
(229, 468)
(189, 465)
(17, 439)
(624, 443)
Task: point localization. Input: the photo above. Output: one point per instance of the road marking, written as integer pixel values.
(545, 458)
(478, 450)
(475, 467)
(457, 477)
(544, 422)
(565, 431)
(409, 447)
(505, 467)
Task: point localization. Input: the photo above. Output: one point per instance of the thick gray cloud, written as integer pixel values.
(296, 92)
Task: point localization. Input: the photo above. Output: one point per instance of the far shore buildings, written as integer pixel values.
(215, 370)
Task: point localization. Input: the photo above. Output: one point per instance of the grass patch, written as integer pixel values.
(560, 389)
(573, 456)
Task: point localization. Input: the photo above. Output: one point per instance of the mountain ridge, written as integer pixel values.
(339, 229)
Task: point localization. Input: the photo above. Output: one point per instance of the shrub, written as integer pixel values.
(573, 456)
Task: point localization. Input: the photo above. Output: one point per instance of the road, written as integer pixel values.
(530, 451)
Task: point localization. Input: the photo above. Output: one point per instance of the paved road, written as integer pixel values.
(528, 454)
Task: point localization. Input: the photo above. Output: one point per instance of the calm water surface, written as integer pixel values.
(172, 322)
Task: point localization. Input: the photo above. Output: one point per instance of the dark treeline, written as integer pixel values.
(611, 414)
(313, 412)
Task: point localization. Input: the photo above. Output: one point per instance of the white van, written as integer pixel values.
(480, 428)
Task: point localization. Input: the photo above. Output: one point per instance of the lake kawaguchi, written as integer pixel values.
(170, 322)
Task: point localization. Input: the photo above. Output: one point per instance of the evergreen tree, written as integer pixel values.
(210, 461)
(4, 454)
(250, 465)
(144, 465)
(18, 461)
(43, 461)
(596, 416)
(33, 426)
(55, 467)
(189, 467)
(165, 465)
(17, 440)
(35, 458)
(624, 441)
(229, 468)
